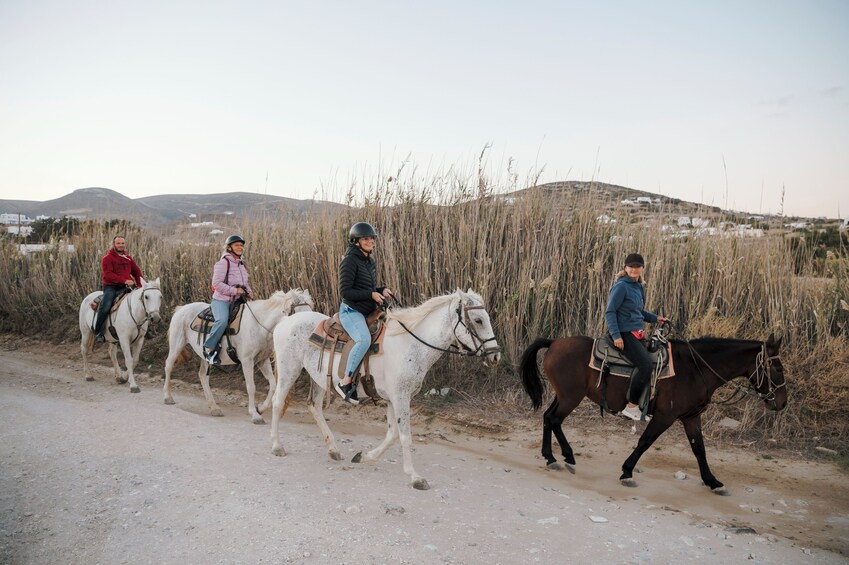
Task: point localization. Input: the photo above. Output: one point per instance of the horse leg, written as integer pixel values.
(86, 343)
(113, 354)
(391, 434)
(268, 373)
(655, 427)
(693, 428)
(552, 422)
(203, 373)
(550, 461)
(173, 353)
(286, 377)
(316, 406)
(248, 372)
(129, 360)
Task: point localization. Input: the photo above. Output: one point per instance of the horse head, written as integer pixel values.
(473, 329)
(151, 299)
(768, 376)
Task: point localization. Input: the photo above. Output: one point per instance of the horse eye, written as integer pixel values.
(479, 322)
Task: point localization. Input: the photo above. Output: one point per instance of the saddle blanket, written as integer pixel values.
(604, 352)
(95, 304)
(329, 335)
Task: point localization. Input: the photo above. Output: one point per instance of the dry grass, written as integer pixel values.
(543, 263)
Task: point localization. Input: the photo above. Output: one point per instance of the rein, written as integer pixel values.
(762, 371)
(464, 320)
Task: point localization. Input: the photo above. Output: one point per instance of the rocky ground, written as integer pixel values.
(94, 474)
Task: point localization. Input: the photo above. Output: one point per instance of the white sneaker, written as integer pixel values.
(634, 413)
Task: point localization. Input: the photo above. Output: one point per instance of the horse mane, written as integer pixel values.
(709, 344)
(282, 296)
(413, 316)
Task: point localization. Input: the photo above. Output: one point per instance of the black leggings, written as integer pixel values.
(637, 353)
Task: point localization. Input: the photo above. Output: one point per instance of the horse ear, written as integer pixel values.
(772, 342)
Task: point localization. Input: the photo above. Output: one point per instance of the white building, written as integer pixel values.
(15, 219)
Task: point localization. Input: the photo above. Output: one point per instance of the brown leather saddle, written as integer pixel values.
(204, 320)
(95, 304)
(604, 353)
(330, 336)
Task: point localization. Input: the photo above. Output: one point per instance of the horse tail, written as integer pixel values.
(531, 381)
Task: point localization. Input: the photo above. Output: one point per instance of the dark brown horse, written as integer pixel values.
(701, 366)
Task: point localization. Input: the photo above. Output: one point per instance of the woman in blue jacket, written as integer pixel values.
(626, 316)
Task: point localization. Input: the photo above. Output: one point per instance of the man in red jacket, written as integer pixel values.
(119, 272)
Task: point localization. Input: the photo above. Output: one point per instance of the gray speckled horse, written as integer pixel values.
(458, 319)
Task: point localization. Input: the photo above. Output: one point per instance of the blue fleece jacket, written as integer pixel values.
(626, 307)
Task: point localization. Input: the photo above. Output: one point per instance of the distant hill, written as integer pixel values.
(104, 203)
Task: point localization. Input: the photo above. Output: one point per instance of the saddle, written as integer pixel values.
(606, 355)
(95, 304)
(330, 336)
(203, 321)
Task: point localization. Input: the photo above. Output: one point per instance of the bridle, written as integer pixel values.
(147, 314)
(761, 373)
(463, 319)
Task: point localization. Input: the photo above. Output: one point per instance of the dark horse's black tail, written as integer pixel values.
(530, 375)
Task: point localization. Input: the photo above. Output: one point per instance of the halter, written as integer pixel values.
(462, 320)
(761, 372)
(147, 316)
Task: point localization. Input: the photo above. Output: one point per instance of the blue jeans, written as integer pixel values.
(221, 313)
(355, 324)
(110, 293)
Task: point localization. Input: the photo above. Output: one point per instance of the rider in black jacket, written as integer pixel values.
(360, 297)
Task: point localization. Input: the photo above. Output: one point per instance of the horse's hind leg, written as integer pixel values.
(113, 354)
(391, 434)
(203, 374)
(693, 427)
(268, 373)
(552, 423)
(86, 343)
(317, 411)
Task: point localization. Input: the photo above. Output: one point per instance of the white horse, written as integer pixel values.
(253, 344)
(130, 320)
(415, 339)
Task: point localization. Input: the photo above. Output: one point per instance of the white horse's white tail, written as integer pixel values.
(455, 319)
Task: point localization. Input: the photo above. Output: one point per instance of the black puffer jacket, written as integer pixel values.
(357, 280)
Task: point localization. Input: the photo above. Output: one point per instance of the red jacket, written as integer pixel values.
(117, 269)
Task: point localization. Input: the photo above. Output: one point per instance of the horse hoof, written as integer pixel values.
(216, 412)
(170, 401)
(570, 468)
(89, 379)
(120, 380)
(554, 466)
(721, 491)
(278, 451)
(135, 389)
(336, 456)
(420, 484)
(629, 482)
(258, 420)
(357, 458)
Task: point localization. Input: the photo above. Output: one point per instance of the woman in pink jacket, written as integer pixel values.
(229, 282)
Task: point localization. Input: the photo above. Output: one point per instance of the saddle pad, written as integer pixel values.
(203, 321)
(605, 352)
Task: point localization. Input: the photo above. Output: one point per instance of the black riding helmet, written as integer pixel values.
(361, 229)
(234, 239)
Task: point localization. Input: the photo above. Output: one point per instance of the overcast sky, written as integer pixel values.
(721, 102)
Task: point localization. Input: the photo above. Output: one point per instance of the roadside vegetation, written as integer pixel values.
(543, 262)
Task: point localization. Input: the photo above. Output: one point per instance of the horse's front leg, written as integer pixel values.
(113, 355)
(86, 342)
(268, 373)
(248, 371)
(693, 428)
(130, 360)
(655, 427)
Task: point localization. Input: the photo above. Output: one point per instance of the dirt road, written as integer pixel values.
(94, 474)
